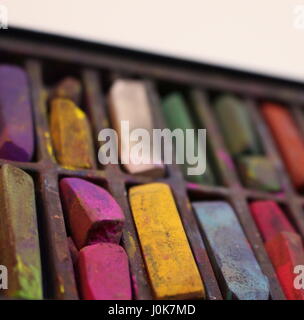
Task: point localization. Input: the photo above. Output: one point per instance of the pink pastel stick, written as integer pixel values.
(104, 272)
(93, 214)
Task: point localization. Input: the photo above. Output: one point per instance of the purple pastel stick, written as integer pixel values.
(93, 214)
(16, 123)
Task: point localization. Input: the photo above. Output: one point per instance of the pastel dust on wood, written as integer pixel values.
(73, 251)
(93, 214)
(236, 125)
(238, 271)
(71, 135)
(258, 172)
(169, 261)
(176, 113)
(286, 251)
(19, 241)
(269, 218)
(129, 101)
(68, 88)
(16, 123)
(288, 139)
(104, 272)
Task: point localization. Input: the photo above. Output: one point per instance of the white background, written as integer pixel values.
(257, 35)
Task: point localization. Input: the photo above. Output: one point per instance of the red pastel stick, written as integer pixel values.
(288, 139)
(104, 272)
(286, 251)
(270, 219)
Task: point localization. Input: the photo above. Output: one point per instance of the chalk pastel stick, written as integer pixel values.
(67, 88)
(288, 139)
(104, 272)
(71, 136)
(258, 172)
(236, 126)
(286, 252)
(93, 214)
(177, 116)
(239, 274)
(19, 242)
(170, 264)
(270, 219)
(128, 101)
(16, 123)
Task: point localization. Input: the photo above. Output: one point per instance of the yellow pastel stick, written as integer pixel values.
(170, 264)
(71, 135)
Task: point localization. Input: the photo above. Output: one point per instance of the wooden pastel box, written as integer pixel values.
(48, 59)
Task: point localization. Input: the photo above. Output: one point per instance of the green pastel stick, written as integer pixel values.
(258, 172)
(177, 116)
(236, 126)
(19, 242)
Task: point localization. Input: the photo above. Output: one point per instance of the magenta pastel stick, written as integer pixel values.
(16, 123)
(93, 214)
(104, 272)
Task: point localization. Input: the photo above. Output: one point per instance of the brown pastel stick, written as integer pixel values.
(288, 139)
(68, 88)
(128, 101)
(104, 272)
(93, 214)
(71, 135)
(19, 241)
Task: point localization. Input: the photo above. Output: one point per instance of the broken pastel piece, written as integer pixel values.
(129, 105)
(19, 241)
(177, 116)
(71, 135)
(170, 264)
(93, 214)
(236, 126)
(68, 88)
(258, 172)
(286, 252)
(270, 219)
(288, 139)
(104, 272)
(239, 274)
(16, 123)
